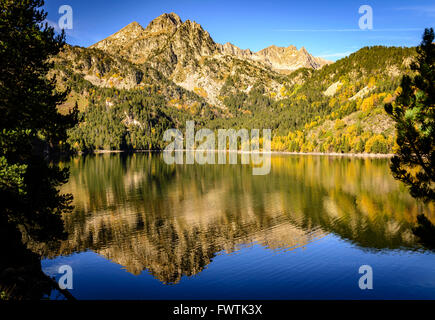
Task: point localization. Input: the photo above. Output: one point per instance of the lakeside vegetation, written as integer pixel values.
(32, 132)
(338, 108)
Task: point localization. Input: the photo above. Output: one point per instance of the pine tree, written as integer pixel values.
(414, 114)
(31, 126)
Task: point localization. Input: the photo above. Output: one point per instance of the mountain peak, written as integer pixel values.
(164, 22)
(133, 24)
(285, 60)
(303, 50)
(129, 33)
(133, 27)
(171, 16)
(175, 41)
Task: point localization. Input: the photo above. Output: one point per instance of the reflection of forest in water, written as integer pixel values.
(172, 220)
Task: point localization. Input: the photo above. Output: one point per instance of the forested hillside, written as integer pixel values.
(340, 107)
(128, 105)
(123, 106)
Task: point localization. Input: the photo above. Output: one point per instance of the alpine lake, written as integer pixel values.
(143, 229)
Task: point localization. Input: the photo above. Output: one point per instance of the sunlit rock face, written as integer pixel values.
(185, 53)
(172, 221)
(289, 59)
(167, 33)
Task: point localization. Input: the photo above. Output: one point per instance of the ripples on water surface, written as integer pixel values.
(144, 230)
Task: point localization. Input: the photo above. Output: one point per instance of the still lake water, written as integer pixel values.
(142, 229)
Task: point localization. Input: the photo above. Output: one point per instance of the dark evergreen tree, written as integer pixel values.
(414, 114)
(31, 130)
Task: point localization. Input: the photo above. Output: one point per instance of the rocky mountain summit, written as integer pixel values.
(135, 84)
(279, 59)
(186, 54)
(166, 33)
(289, 59)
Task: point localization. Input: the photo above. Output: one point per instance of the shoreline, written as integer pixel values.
(330, 154)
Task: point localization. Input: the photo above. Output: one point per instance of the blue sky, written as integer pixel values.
(325, 28)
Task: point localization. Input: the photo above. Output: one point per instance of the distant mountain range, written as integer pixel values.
(138, 82)
(185, 53)
(168, 35)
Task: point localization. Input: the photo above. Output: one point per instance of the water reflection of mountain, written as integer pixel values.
(172, 220)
